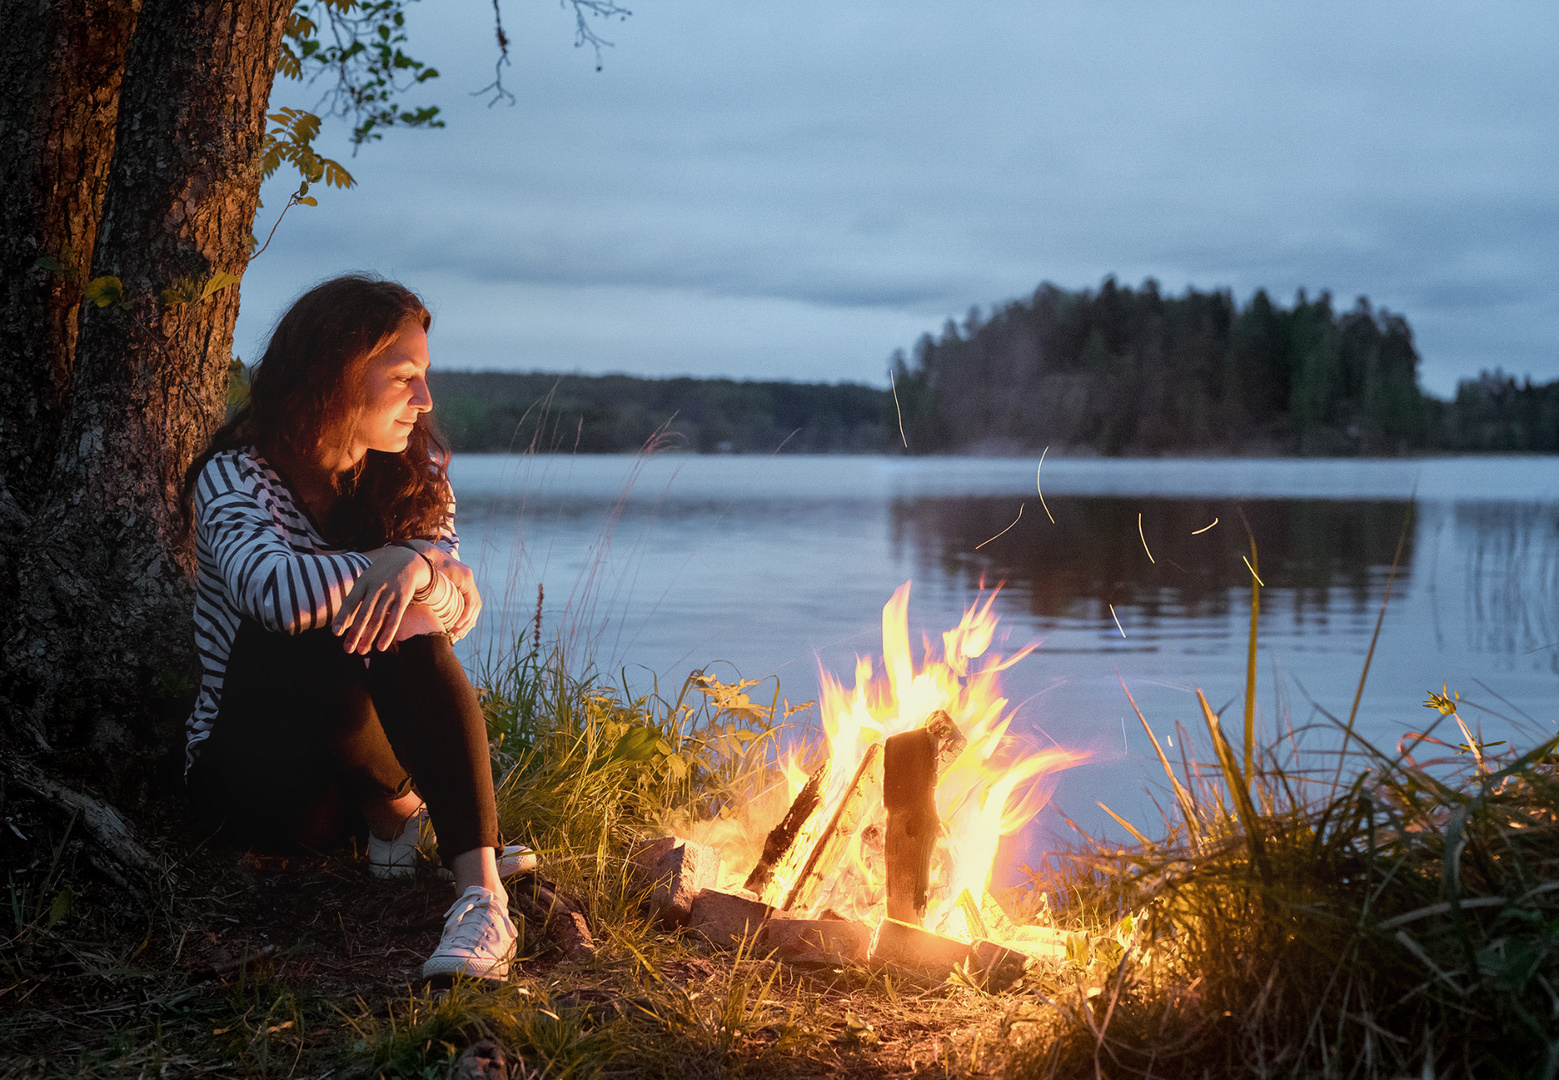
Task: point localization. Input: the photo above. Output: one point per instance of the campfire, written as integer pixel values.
(886, 851)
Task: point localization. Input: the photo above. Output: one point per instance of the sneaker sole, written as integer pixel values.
(392, 870)
(516, 859)
(454, 966)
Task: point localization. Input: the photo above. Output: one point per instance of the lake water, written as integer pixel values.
(772, 566)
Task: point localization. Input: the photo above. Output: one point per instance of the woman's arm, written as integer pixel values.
(266, 578)
(371, 614)
(455, 600)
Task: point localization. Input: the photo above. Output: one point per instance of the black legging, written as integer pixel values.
(307, 732)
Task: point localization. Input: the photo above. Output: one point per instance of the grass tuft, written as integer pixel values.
(1406, 923)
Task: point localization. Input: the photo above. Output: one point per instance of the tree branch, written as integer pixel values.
(584, 34)
(496, 87)
(601, 9)
(116, 852)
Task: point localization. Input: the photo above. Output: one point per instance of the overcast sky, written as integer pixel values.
(793, 189)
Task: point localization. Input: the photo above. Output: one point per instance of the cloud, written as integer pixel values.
(737, 166)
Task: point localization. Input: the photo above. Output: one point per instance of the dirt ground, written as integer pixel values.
(271, 966)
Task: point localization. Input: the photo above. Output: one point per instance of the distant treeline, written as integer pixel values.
(507, 412)
(1495, 412)
(1115, 371)
(1125, 370)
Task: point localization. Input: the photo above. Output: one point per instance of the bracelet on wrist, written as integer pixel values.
(422, 594)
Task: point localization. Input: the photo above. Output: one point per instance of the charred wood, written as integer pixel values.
(910, 763)
(783, 836)
(822, 849)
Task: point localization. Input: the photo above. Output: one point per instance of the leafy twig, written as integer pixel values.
(301, 196)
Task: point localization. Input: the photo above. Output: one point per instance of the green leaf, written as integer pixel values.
(47, 262)
(636, 744)
(184, 291)
(1077, 949)
(300, 26)
(1510, 962)
(219, 281)
(271, 159)
(308, 200)
(60, 907)
(287, 64)
(337, 176)
(105, 290)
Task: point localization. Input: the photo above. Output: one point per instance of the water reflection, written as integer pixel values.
(1510, 561)
(782, 566)
(1315, 556)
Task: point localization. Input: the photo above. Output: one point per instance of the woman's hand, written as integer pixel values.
(371, 614)
(462, 578)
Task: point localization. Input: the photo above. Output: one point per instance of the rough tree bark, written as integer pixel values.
(60, 71)
(95, 650)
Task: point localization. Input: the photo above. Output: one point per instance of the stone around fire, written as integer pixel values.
(901, 945)
(673, 872)
(819, 941)
(728, 918)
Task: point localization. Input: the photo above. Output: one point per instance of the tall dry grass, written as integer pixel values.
(1359, 912)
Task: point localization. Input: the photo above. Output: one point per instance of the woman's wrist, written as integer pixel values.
(424, 592)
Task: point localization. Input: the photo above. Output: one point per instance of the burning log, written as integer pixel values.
(997, 965)
(803, 847)
(1038, 942)
(782, 837)
(831, 838)
(806, 841)
(910, 762)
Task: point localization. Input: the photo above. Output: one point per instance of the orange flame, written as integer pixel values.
(992, 789)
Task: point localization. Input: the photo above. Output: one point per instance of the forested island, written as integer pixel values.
(1116, 371)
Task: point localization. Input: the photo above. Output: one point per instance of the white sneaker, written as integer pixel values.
(516, 859)
(398, 857)
(512, 859)
(479, 938)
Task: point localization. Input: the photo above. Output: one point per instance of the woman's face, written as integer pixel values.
(394, 395)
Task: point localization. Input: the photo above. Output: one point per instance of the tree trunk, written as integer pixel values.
(99, 661)
(60, 69)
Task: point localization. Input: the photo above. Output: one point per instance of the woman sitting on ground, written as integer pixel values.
(329, 593)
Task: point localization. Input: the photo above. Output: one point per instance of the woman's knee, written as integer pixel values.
(419, 621)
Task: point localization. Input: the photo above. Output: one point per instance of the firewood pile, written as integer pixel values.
(783, 909)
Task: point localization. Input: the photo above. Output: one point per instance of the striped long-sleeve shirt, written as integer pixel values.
(262, 557)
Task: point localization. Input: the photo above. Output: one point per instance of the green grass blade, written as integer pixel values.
(1235, 780)
(1396, 560)
(1182, 796)
(1128, 826)
(1250, 665)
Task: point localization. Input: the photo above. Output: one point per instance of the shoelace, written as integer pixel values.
(468, 932)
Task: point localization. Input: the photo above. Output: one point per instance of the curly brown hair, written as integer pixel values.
(307, 394)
